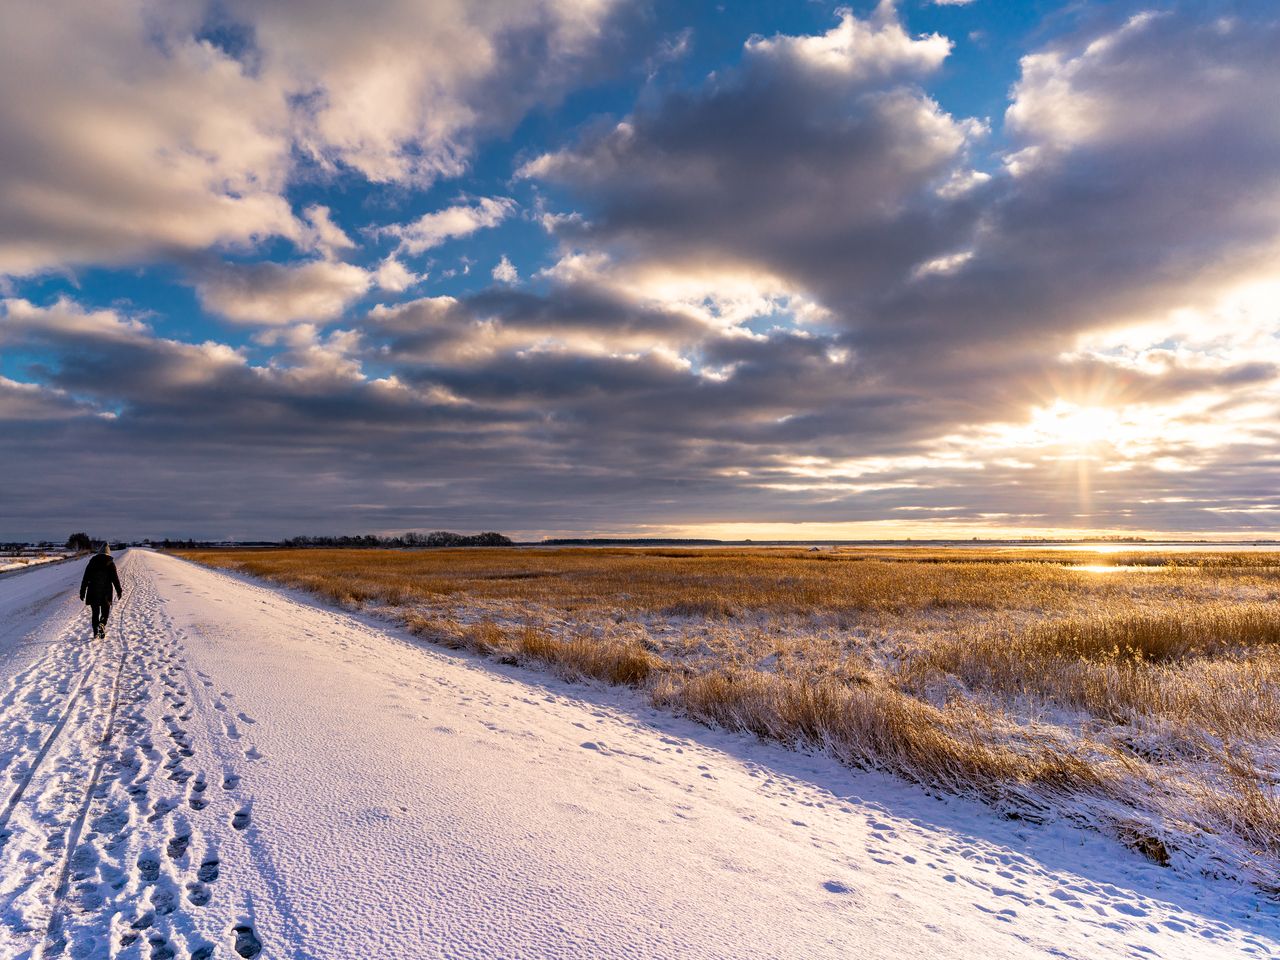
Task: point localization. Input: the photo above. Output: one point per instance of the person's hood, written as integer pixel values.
(106, 550)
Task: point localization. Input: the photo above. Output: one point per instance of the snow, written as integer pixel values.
(8, 563)
(240, 764)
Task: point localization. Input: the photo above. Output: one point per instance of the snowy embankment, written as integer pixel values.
(238, 771)
(9, 562)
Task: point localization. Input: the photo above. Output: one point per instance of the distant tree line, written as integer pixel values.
(629, 542)
(82, 543)
(438, 538)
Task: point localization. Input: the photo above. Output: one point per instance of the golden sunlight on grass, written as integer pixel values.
(1146, 698)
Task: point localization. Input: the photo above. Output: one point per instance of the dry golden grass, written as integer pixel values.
(615, 662)
(1147, 701)
(1214, 669)
(878, 725)
(716, 583)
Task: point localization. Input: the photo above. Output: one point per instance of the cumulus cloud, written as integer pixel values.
(264, 292)
(859, 191)
(400, 90)
(505, 271)
(125, 136)
(395, 277)
(460, 220)
(32, 403)
(857, 51)
(432, 333)
(817, 158)
(1141, 181)
(322, 234)
(135, 129)
(108, 355)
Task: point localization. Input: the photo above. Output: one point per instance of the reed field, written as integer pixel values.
(1135, 692)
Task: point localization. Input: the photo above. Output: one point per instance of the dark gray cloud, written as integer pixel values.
(813, 161)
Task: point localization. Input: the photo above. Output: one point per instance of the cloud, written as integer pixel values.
(505, 271)
(125, 138)
(401, 90)
(323, 235)
(856, 51)
(32, 403)
(1140, 182)
(141, 130)
(507, 394)
(105, 357)
(435, 333)
(394, 276)
(798, 291)
(270, 293)
(817, 159)
(853, 188)
(461, 220)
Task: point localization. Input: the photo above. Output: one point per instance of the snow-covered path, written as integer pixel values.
(238, 769)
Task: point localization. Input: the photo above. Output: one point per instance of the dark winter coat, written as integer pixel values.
(99, 577)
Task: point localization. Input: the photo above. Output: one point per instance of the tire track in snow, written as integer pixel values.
(25, 781)
(54, 939)
(148, 847)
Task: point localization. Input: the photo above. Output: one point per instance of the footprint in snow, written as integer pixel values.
(164, 901)
(148, 869)
(247, 943)
(178, 845)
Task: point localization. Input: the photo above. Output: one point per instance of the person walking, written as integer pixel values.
(95, 588)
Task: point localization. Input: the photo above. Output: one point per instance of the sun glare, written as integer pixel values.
(1072, 427)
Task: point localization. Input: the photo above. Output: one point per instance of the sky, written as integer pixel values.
(770, 269)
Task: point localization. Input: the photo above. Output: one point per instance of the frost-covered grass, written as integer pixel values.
(1143, 699)
(21, 561)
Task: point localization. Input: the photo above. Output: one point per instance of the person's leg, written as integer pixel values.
(106, 612)
(95, 614)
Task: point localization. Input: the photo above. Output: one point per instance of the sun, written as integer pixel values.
(1081, 430)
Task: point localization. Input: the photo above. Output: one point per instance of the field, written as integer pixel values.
(1137, 693)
